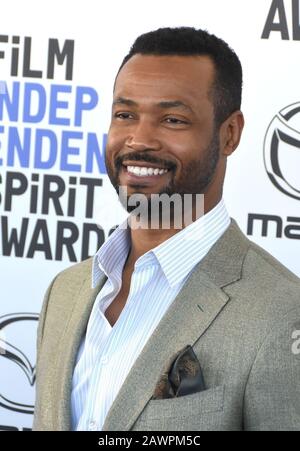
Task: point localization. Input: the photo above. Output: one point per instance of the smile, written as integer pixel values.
(142, 171)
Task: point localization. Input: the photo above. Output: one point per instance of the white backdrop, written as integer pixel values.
(52, 139)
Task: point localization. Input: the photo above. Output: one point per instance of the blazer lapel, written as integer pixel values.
(191, 313)
(67, 352)
(186, 320)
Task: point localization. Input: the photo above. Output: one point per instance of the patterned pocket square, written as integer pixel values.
(183, 378)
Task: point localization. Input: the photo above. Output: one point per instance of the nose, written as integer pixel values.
(143, 136)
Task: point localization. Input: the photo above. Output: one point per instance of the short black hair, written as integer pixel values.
(188, 41)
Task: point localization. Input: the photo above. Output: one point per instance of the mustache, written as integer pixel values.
(133, 156)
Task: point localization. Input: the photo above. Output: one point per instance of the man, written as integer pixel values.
(182, 329)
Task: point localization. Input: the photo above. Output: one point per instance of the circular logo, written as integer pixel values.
(282, 151)
(17, 361)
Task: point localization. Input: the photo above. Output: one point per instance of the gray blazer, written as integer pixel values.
(238, 310)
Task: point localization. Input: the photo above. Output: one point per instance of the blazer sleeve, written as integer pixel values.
(272, 395)
(41, 325)
(42, 317)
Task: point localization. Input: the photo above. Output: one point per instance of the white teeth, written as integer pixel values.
(144, 171)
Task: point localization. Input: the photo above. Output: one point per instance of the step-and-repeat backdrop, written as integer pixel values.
(58, 60)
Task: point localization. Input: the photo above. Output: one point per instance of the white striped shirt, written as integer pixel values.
(107, 353)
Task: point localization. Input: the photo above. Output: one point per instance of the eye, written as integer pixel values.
(123, 115)
(175, 121)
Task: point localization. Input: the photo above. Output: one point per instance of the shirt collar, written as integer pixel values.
(179, 254)
(176, 256)
(112, 254)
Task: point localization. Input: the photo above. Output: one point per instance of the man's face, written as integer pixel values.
(163, 121)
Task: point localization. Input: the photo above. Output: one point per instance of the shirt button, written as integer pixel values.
(92, 426)
(104, 360)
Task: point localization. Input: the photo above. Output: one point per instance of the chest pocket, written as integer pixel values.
(199, 411)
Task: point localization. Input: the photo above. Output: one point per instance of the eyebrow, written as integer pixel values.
(164, 104)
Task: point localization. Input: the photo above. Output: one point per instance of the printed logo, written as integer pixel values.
(282, 151)
(17, 361)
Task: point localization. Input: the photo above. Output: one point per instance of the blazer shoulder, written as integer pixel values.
(59, 298)
(271, 265)
(257, 257)
(78, 272)
(69, 281)
(255, 275)
(270, 282)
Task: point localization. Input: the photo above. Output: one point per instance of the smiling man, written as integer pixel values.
(171, 328)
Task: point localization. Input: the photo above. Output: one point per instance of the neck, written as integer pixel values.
(147, 238)
(143, 240)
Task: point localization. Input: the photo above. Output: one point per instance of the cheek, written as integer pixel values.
(186, 151)
(114, 144)
(186, 143)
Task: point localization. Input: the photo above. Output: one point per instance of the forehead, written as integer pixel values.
(153, 78)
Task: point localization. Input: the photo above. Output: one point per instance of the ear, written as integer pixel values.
(230, 132)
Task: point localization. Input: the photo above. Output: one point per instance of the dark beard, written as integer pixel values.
(194, 179)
